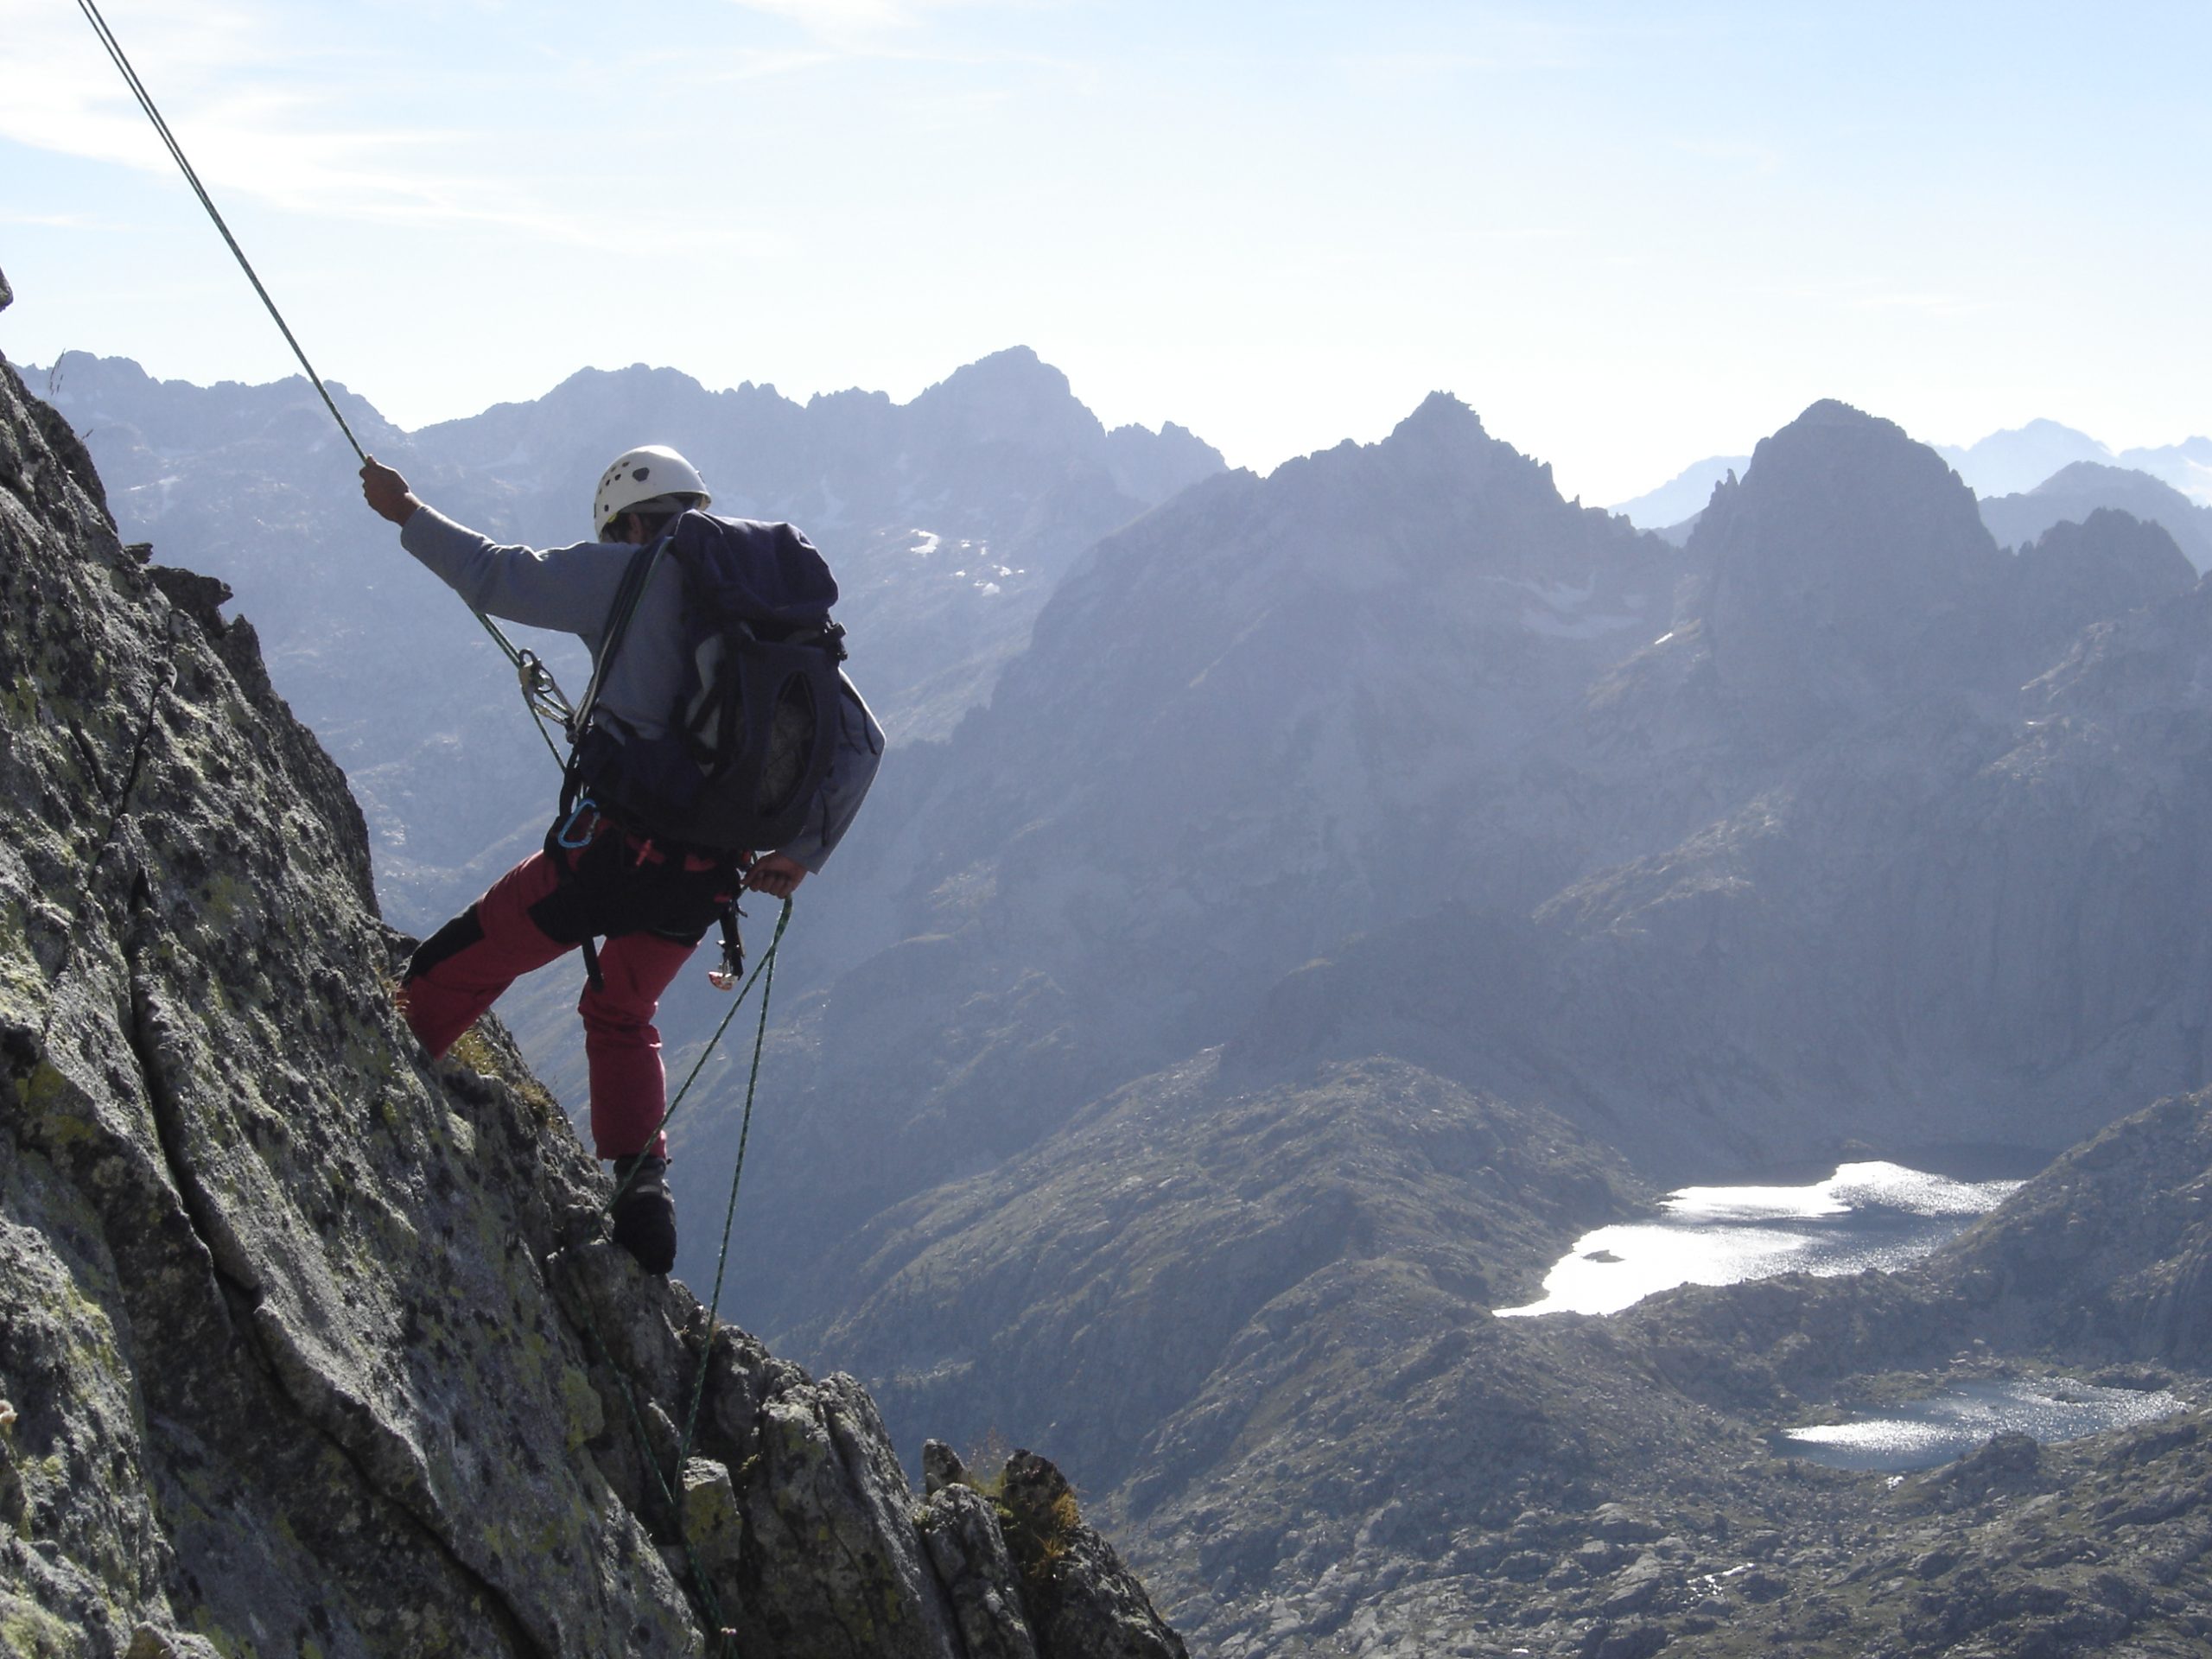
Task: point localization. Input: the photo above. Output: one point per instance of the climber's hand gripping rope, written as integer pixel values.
(387, 494)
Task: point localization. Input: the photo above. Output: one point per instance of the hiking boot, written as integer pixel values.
(645, 1216)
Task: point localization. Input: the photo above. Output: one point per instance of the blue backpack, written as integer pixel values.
(754, 720)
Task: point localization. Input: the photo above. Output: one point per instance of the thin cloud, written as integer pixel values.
(273, 141)
(868, 25)
(57, 221)
(1765, 160)
(734, 69)
(841, 18)
(1940, 305)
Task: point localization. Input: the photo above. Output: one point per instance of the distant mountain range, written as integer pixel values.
(1840, 828)
(2005, 463)
(1336, 892)
(1396, 752)
(2077, 490)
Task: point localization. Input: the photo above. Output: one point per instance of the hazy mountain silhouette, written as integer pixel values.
(2073, 492)
(1681, 496)
(2187, 465)
(2005, 463)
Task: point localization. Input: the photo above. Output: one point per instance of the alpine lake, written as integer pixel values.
(1866, 1217)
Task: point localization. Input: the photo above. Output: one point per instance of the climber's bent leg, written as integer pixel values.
(460, 971)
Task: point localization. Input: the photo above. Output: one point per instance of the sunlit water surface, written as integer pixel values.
(1864, 1216)
(1954, 1422)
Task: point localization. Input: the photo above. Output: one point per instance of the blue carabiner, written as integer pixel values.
(569, 828)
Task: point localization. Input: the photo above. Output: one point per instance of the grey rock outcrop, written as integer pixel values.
(1080, 1598)
(308, 1346)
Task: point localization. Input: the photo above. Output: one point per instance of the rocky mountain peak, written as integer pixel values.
(1013, 396)
(1442, 411)
(1850, 562)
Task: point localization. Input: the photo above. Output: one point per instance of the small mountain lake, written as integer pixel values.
(1864, 1216)
(1869, 1215)
(1956, 1420)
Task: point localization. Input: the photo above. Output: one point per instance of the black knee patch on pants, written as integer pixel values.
(567, 914)
(450, 940)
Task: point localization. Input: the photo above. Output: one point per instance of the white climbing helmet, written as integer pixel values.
(641, 475)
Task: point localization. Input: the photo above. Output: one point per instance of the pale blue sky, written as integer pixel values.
(1628, 235)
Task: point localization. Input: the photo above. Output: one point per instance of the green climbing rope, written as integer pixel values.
(762, 974)
(737, 1170)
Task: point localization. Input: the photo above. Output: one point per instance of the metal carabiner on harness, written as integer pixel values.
(569, 836)
(725, 977)
(539, 694)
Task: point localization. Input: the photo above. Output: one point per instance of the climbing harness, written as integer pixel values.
(540, 695)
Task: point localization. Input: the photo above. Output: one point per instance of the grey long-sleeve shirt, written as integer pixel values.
(572, 589)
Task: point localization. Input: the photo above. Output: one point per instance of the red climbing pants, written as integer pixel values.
(460, 971)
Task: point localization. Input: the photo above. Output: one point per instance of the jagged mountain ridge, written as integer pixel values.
(1244, 725)
(1886, 871)
(1682, 497)
(2073, 492)
(1407, 687)
(309, 1347)
(949, 519)
(2008, 463)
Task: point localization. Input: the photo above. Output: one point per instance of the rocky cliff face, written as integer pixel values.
(306, 1348)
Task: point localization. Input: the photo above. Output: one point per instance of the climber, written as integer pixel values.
(650, 899)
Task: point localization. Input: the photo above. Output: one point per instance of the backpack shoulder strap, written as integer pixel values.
(640, 570)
